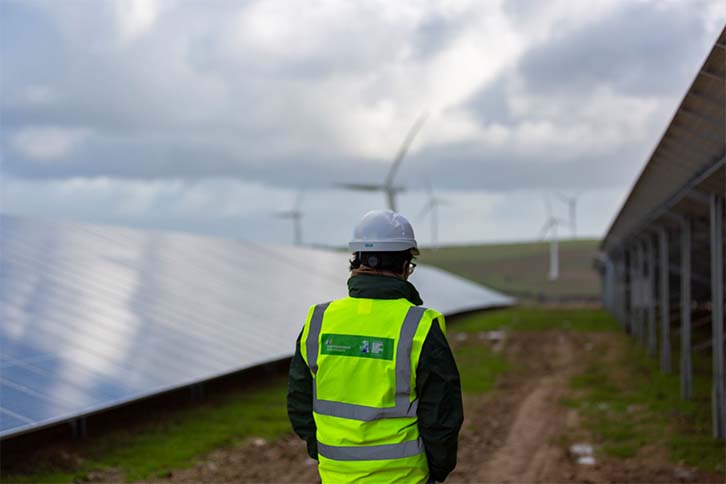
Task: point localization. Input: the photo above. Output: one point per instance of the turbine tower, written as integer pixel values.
(295, 214)
(432, 206)
(550, 227)
(571, 202)
(387, 187)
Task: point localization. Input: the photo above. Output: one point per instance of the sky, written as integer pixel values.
(211, 116)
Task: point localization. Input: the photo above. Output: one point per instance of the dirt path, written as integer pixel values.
(530, 449)
(514, 434)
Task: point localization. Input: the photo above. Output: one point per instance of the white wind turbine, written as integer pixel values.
(432, 206)
(295, 214)
(571, 202)
(550, 227)
(387, 187)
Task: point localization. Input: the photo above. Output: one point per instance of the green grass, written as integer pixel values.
(537, 319)
(478, 368)
(175, 440)
(521, 269)
(628, 403)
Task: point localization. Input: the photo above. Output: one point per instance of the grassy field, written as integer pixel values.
(521, 269)
(537, 319)
(171, 441)
(629, 404)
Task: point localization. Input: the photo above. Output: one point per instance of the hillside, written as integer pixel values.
(520, 269)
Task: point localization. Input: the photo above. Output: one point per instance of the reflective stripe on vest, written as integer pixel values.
(404, 407)
(316, 324)
(372, 452)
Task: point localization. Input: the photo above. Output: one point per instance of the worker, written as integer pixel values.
(373, 386)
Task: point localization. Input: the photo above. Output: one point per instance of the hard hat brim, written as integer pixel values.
(383, 246)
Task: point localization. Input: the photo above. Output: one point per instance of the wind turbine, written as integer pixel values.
(387, 187)
(295, 214)
(571, 202)
(550, 226)
(432, 206)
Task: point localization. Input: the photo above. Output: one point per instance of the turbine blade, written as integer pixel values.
(404, 148)
(299, 199)
(362, 187)
(426, 209)
(429, 188)
(545, 228)
(288, 213)
(391, 198)
(548, 207)
(563, 197)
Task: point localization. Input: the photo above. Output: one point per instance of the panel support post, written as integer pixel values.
(632, 299)
(652, 339)
(686, 368)
(717, 317)
(79, 428)
(622, 288)
(620, 291)
(642, 293)
(665, 323)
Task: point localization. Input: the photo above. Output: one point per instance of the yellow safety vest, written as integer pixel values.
(363, 355)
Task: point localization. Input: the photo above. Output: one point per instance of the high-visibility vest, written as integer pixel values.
(363, 355)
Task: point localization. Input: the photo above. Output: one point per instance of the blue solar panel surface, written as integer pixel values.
(97, 316)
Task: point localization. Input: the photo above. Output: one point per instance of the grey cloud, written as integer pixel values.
(639, 48)
(492, 103)
(452, 166)
(472, 166)
(178, 104)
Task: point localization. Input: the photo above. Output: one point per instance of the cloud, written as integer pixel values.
(631, 49)
(264, 81)
(176, 109)
(47, 143)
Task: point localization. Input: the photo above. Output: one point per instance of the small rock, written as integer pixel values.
(259, 442)
(586, 460)
(632, 408)
(580, 450)
(683, 474)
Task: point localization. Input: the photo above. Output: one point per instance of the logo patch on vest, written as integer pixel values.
(360, 346)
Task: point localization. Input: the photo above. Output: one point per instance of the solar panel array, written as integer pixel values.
(97, 316)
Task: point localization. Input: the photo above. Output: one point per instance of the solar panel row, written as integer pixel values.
(96, 316)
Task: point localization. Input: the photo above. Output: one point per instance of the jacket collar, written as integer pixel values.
(376, 286)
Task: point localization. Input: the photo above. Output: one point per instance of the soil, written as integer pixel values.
(518, 433)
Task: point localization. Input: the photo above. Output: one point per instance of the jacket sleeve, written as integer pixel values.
(440, 410)
(300, 401)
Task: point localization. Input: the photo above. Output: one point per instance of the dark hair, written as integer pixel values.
(382, 261)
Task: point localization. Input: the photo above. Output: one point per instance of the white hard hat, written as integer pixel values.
(383, 231)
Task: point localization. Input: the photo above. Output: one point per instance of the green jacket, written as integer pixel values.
(440, 412)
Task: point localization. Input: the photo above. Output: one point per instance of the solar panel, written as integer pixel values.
(97, 316)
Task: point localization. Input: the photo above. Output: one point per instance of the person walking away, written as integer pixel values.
(373, 386)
